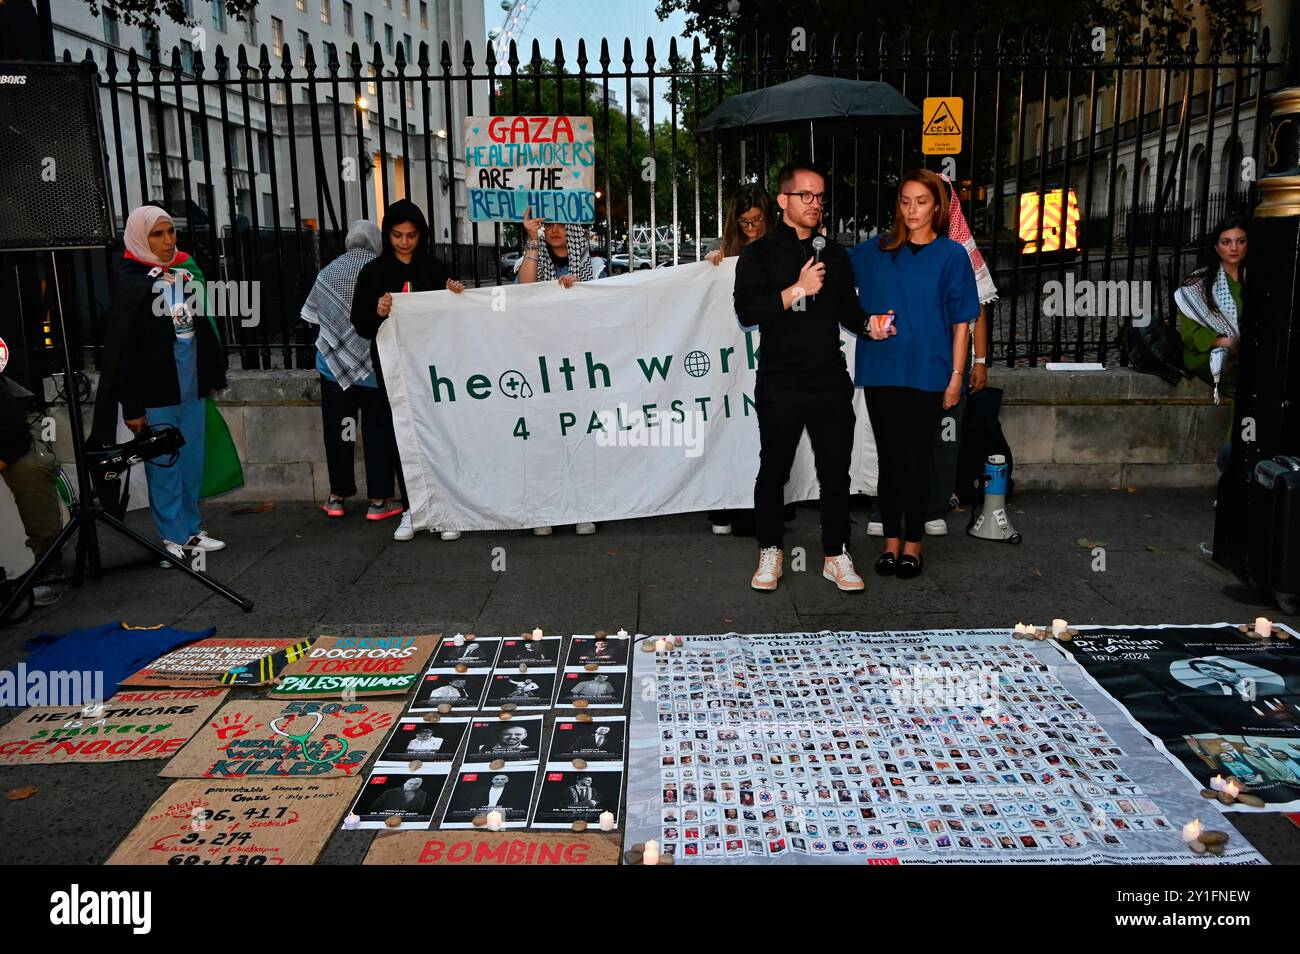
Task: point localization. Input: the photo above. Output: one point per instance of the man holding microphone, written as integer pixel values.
(796, 286)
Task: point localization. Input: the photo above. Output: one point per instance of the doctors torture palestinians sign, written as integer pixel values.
(546, 164)
(359, 665)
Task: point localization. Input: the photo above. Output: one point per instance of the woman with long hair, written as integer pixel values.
(919, 289)
(162, 361)
(1210, 307)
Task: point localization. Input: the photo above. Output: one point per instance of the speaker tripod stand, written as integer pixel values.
(86, 516)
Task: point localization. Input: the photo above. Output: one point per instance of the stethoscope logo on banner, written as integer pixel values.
(301, 739)
(514, 385)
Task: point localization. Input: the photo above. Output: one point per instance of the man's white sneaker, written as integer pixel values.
(768, 574)
(404, 530)
(875, 528)
(202, 541)
(936, 528)
(839, 570)
(722, 529)
(46, 595)
(450, 535)
(584, 529)
(543, 531)
(176, 550)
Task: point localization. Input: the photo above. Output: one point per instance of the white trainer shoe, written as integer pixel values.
(722, 529)
(839, 570)
(404, 530)
(450, 535)
(204, 542)
(768, 574)
(875, 528)
(936, 528)
(176, 550)
(584, 529)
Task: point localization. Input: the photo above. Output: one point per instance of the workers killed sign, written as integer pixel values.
(546, 164)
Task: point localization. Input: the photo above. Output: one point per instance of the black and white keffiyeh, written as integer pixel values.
(579, 244)
(1219, 315)
(329, 305)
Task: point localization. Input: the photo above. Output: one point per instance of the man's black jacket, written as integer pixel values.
(798, 347)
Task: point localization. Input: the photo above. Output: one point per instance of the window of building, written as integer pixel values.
(347, 17)
(303, 40)
(250, 30)
(406, 45)
(150, 37)
(325, 16)
(219, 15)
(187, 56)
(196, 140)
(406, 9)
(388, 39)
(277, 34)
(302, 6)
(112, 35)
(370, 29)
(263, 164)
(424, 15)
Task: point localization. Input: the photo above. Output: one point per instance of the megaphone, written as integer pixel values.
(160, 443)
(991, 522)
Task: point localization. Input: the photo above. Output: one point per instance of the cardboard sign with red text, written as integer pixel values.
(357, 666)
(134, 724)
(521, 849)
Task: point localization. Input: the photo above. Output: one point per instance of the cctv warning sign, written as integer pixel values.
(941, 125)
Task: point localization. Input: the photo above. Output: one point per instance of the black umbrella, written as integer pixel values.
(838, 106)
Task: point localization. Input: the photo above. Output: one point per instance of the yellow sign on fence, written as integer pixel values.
(1054, 224)
(941, 126)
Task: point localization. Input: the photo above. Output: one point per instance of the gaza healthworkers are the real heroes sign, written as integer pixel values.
(539, 165)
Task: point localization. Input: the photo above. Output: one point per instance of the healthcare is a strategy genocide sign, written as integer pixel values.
(546, 164)
(625, 397)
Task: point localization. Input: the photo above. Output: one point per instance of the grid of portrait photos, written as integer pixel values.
(830, 750)
(492, 764)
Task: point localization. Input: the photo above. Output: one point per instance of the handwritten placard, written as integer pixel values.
(357, 666)
(522, 849)
(546, 164)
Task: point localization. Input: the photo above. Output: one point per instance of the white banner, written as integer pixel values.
(531, 405)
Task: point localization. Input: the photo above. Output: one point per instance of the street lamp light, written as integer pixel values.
(362, 103)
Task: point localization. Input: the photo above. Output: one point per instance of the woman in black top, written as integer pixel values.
(405, 264)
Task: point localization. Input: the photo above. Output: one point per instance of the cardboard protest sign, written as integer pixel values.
(258, 739)
(546, 164)
(202, 822)
(357, 666)
(134, 724)
(511, 849)
(221, 661)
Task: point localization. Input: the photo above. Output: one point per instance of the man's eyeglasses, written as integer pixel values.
(807, 197)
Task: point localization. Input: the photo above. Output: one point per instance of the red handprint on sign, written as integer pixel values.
(232, 726)
(373, 722)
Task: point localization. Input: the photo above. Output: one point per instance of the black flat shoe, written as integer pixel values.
(908, 567)
(886, 564)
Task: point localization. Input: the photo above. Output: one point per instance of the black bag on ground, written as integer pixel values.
(1273, 503)
(981, 436)
(1156, 349)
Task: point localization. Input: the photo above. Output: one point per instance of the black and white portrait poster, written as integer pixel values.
(1216, 701)
(410, 796)
(514, 740)
(478, 792)
(600, 740)
(460, 690)
(480, 653)
(570, 795)
(603, 689)
(544, 652)
(602, 650)
(526, 690)
(415, 740)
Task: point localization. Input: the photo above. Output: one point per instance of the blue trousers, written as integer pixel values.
(174, 491)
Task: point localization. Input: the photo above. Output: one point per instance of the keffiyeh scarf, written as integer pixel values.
(1220, 315)
(329, 305)
(579, 256)
(958, 231)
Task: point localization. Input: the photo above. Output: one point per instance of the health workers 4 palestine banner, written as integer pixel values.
(1216, 701)
(535, 405)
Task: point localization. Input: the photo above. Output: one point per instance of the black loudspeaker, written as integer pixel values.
(53, 171)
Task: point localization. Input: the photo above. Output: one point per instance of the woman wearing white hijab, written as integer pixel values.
(160, 363)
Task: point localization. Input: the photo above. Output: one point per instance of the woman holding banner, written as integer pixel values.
(405, 264)
(563, 254)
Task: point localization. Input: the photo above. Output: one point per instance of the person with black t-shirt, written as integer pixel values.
(798, 297)
(405, 264)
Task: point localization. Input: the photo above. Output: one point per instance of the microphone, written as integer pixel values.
(818, 243)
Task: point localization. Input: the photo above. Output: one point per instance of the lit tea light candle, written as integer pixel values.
(458, 640)
(495, 821)
(1263, 627)
(661, 645)
(1232, 789)
(352, 822)
(606, 821)
(1192, 830)
(1218, 784)
(1021, 628)
(1059, 626)
(651, 854)
(537, 633)
(622, 633)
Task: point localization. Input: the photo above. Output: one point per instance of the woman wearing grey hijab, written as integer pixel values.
(349, 388)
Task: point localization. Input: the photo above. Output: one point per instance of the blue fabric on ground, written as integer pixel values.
(116, 649)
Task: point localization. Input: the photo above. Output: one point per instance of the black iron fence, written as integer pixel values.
(263, 163)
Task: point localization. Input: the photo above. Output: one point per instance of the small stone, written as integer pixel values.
(470, 637)
(415, 765)
(509, 706)
(601, 634)
(1196, 846)
(1017, 635)
(497, 764)
(1208, 838)
(505, 716)
(580, 764)
(580, 825)
(584, 716)
(1065, 637)
(1209, 793)
(461, 667)
(480, 821)
(633, 856)
(592, 667)
(1216, 849)
(392, 821)
(1224, 798)
(523, 667)
(665, 859)
(1040, 634)
(444, 707)
(647, 645)
(1254, 801)
(580, 703)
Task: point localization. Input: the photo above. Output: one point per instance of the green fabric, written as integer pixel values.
(1198, 342)
(222, 471)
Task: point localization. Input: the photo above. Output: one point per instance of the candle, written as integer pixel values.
(622, 633)
(1218, 784)
(651, 855)
(1192, 830)
(352, 821)
(606, 821)
(661, 645)
(1232, 789)
(1059, 626)
(495, 821)
(1020, 628)
(677, 640)
(537, 634)
(1263, 627)
(458, 640)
